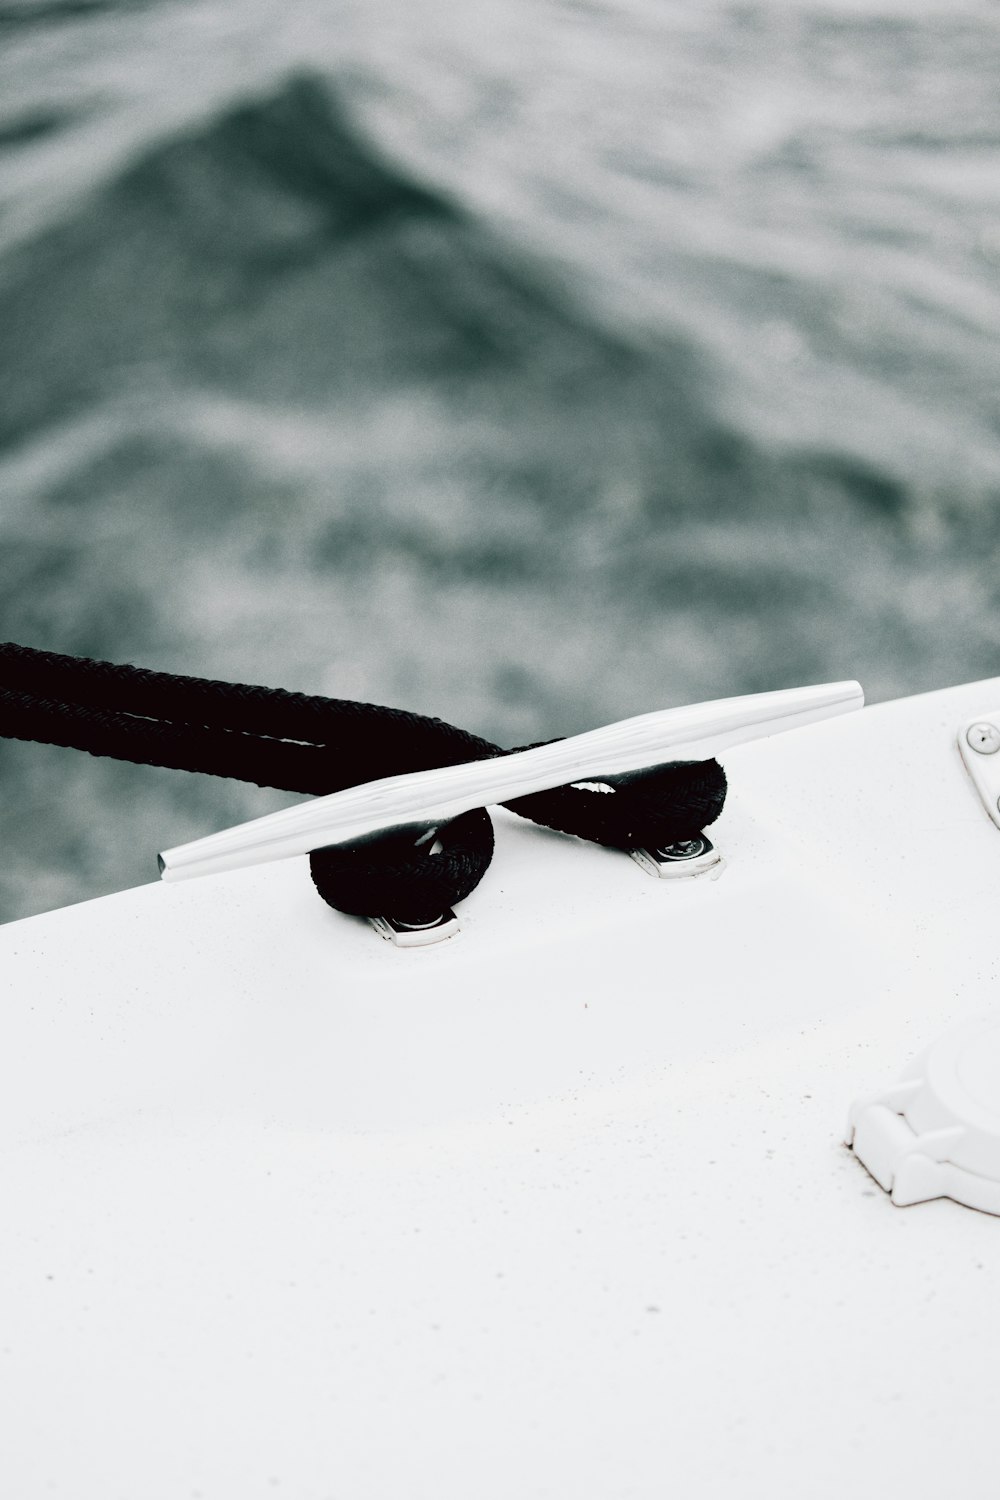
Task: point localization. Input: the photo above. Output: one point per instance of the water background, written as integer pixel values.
(526, 363)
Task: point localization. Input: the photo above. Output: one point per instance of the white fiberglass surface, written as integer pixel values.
(558, 1208)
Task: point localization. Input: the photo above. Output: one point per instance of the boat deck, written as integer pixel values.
(559, 1208)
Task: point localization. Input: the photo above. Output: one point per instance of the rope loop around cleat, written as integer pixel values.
(314, 745)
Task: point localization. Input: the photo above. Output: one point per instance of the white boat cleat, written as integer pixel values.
(429, 798)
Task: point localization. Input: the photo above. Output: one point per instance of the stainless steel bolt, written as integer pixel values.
(983, 737)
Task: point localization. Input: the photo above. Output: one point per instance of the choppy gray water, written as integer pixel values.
(526, 363)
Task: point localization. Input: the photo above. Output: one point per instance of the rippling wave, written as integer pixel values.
(281, 404)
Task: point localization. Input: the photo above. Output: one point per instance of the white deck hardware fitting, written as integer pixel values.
(684, 860)
(693, 732)
(978, 743)
(936, 1133)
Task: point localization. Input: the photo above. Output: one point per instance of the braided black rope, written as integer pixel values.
(315, 745)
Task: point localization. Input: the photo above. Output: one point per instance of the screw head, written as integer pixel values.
(983, 737)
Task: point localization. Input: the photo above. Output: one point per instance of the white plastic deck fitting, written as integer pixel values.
(936, 1132)
(978, 743)
(426, 798)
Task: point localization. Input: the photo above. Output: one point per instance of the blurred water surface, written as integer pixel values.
(529, 364)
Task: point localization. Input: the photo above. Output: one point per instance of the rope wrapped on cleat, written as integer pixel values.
(315, 745)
